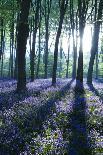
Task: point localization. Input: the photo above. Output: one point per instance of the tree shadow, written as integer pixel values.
(95, 91)
(34, 123)
(79, 141)
(49, 107)
(8, 99)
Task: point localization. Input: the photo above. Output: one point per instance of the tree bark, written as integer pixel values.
(82, 11)
(62, 13)
(23, 32)
(47, 14)
(74, 44)
(32, 54)
(67, 72)
(95, 39)
(39, 54)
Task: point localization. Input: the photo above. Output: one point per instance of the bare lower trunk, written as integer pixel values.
(23, 32)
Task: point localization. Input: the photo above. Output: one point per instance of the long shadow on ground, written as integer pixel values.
(79, 142)
(95, 91)
(32, 124)
(8, 99)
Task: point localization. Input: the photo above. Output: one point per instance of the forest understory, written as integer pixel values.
(47, 120)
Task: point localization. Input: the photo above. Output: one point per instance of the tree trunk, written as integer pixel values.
(74, 44)
(1, 44)
(62, 13)
(12, 51)
(82, 11)
(2, 47)
(47, 13)
(39, 54)
(32, 54)
(95, 39)
(12, 43)
(80, 59)
(61, 55)
(23, 32)
(97, 65)
(67, 70)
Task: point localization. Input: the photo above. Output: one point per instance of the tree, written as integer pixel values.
(39, 53)
(73, 25)
(32, 52)
(2, 45)
(63, 6)
(12, 44)
(67, 61)
(23, 32)
(95, 39)
(82, 12)
(47, 15)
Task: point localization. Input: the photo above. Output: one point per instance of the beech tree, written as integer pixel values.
(95, 38)
(73, 26)
(23, 32)
(82, 12)
(47, 16)
(63, 6)
(32, 52)
(39, 42)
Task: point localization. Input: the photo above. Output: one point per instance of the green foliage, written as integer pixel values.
(7, 8)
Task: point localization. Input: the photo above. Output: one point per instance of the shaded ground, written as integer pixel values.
(58, 120)
(9, 96)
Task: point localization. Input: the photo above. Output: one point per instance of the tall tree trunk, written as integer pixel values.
(67, 70)
(23, 32)
(16, 55)
(82, 11)
(74, 45)
(97, 64)
(12, 50)
(32, 54)
(47, 14)
(39, 54)
(12, 43)
(2, 46)
(62, 13)
(61, 55)
(95, 39)
(80, 59)
(95, 18)
(1, 43)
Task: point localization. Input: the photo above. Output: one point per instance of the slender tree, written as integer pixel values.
(95, 18)
(39, 53)
(73, 25)
(32, 53)
(63, 6)
(95, 38)
(67, 61)
(47, 16)
(61, 56)
(2, 46)
(82, 12)
(12, 46)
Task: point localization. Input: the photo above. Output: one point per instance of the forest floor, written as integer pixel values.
(48, 120)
